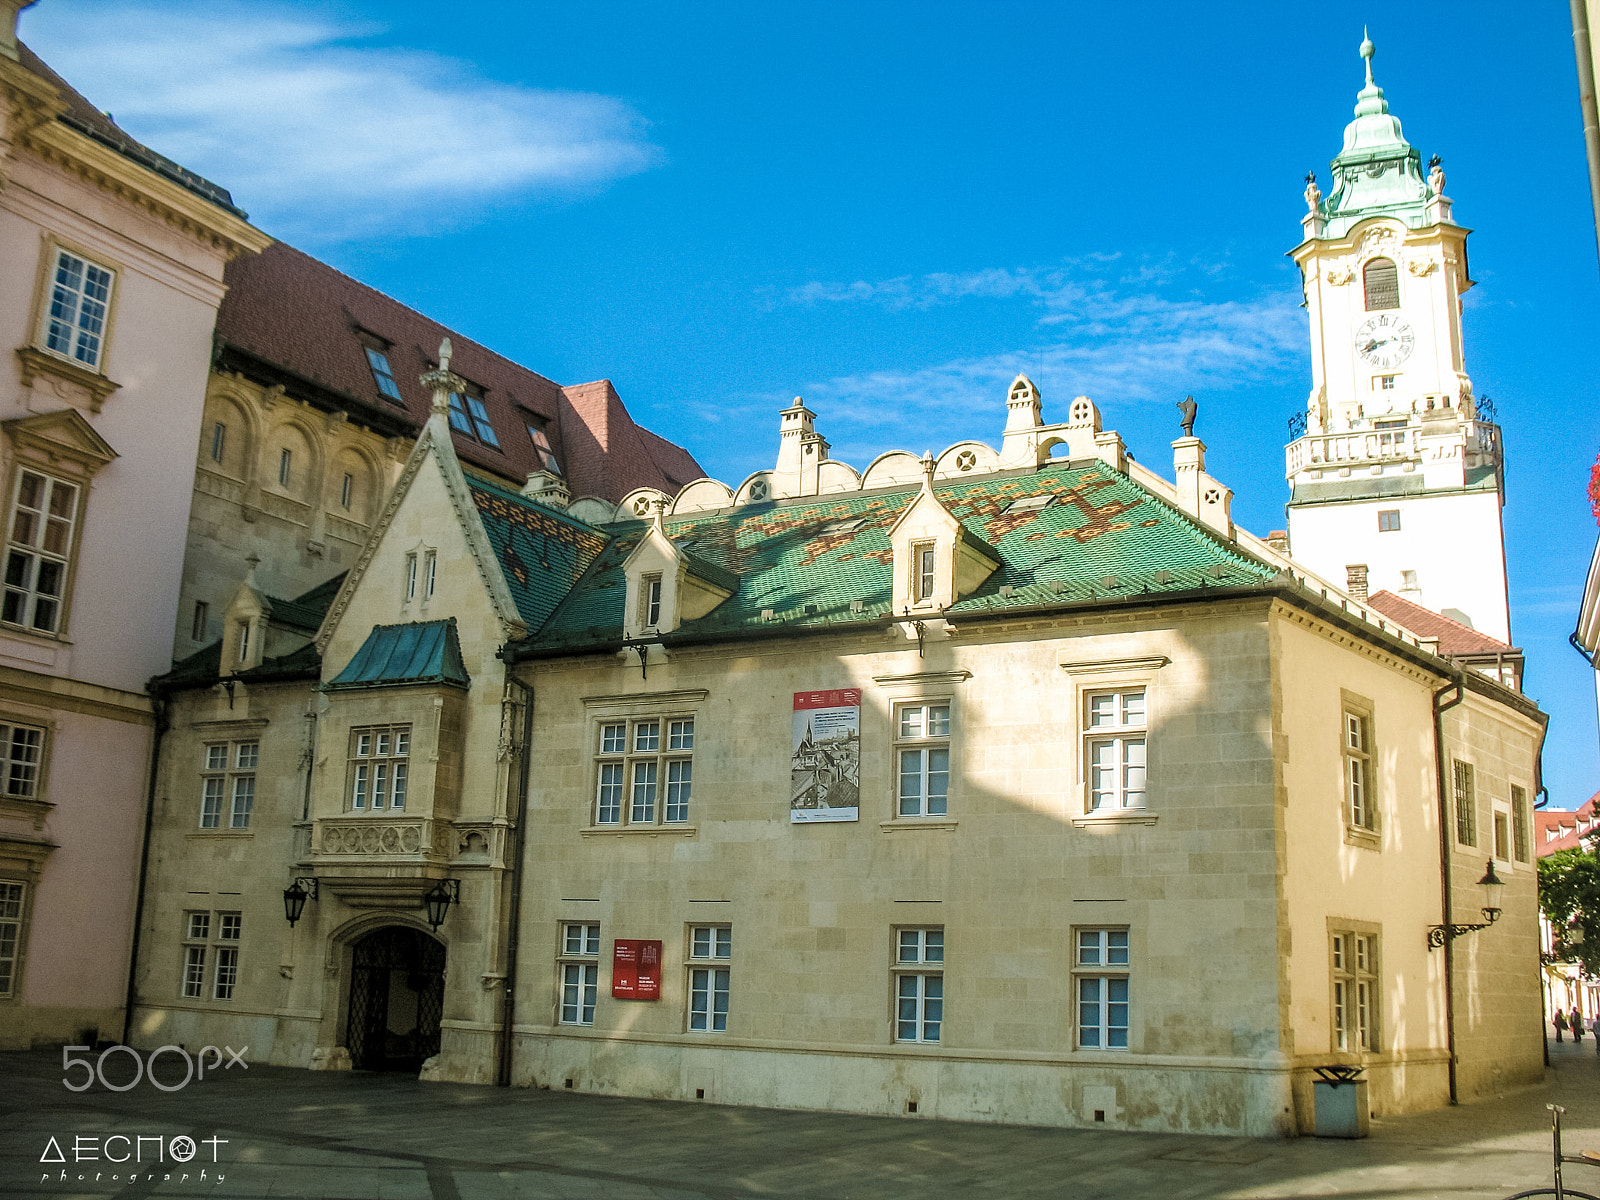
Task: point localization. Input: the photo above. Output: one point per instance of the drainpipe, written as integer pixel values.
(1444, 872)
(515, 852)
(162, 709)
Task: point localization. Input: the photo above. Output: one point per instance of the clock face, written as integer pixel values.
(1385, 339)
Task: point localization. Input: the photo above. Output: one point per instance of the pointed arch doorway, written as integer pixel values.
(396, 999)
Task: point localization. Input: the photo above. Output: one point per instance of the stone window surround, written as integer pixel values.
(1105, 971)
(212, 945)
(36, 358)
(577, 960)
(922, 967)
(1368, 834)
(714, 965)
(1088, 676)
(922, 687)
(627, 709)
(1343, 927)
(35, 807)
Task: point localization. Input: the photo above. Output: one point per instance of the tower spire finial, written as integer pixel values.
(1367, 51)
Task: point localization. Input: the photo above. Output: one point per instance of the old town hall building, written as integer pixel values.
(1012, 783)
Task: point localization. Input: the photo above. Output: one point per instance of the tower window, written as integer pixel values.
(1382, 283)
(1389, 520)
(1383, 383)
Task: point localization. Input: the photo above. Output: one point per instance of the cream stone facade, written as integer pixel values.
(1111, 863)
(113, 273)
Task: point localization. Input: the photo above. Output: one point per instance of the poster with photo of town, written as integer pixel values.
(825, 766)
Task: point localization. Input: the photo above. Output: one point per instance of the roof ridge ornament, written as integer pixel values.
(1370, 101)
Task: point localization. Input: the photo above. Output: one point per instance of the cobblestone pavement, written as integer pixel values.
(352, 1136)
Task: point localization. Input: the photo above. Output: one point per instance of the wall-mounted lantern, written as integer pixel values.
(1438, 935)
(438, 901)
(295, 897)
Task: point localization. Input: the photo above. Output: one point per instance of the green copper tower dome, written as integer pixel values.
(1377, 174)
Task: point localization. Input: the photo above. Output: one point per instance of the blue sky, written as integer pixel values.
(891, 208)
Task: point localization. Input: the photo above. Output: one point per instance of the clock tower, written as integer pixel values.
(1395, 472)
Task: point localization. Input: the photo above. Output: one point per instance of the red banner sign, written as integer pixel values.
(635, 969)
(838, 698)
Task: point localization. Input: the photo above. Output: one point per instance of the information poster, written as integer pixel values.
(825, 764)
(635, 969)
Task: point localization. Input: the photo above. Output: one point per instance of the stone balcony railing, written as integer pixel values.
(380, 839)
(1370, 447)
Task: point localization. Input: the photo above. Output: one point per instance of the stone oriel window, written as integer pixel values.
(380, 765)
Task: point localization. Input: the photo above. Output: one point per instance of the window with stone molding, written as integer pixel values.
(1355, 736)
(644, 770)
(578, 972)
(1101, 981)
(210, 954)
(1115, 732)
(13, 899)
(78, 310)
(40, 544)
(918, 976)
(922, 757)
(379, 767)
(710, 952)
(21, 757)
(1355, 990)
(1381, 282)
(1466, 802)
(228, 784)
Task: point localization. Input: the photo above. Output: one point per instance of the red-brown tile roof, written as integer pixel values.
(1559, 830)
(291, 312)
(1454, 637)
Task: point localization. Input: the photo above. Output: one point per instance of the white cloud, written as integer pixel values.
(1117, 331)
(320, 135)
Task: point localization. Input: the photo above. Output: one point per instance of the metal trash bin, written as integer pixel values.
(1341, 1103)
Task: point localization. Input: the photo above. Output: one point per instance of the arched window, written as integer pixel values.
(1382, 283)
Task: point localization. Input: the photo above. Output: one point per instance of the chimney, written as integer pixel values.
(1356, 580)
(9, 11)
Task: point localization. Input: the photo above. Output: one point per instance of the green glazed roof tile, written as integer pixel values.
(541, 552)
(810, 560)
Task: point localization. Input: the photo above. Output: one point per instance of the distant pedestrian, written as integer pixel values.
(1577, 1024)
(1560, 1022)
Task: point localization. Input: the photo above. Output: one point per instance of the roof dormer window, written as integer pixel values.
(923, 559)
(1030, 503)
(541, 444)
(469, 416)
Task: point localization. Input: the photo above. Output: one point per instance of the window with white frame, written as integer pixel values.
(1466, 798)
(922, 567)
(1360, 810)
(1355, 991)
(80, 302)
(39, 543)
(922, 752)
(578, 969)
(710, 950)
(380, 767)
(1114, 749)
(228, 784)
(1101, 978)
(644, 770)
(919, 984)
(21, 752)
(650, 601)
(12, 897)
(210, 940)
